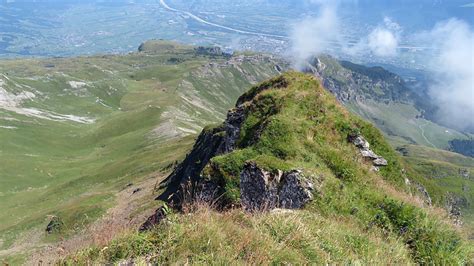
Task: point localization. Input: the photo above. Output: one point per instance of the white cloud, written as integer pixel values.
(392, 25)
(382, 42)
(453, 71)
(452, 67)
(311, 36)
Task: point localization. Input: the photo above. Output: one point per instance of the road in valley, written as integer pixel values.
(165, 5)
(255, 33)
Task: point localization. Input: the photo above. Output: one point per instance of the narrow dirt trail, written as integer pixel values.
(118, 219)
(422, 128)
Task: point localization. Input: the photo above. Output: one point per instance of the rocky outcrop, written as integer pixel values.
(421, 190)
(424, 193)
(295, 190)
(464, 173)
(352, 82)
(55, 225)
(232, 125)
(210, 143)
(454, 204)
(263, 190)
(155, 219)
(364, 148)
(259, 188)
(186, 181)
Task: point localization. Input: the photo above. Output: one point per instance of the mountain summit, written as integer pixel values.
(288, 144)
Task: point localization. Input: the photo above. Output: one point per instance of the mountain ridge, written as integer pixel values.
(148, 122)
(289, 134)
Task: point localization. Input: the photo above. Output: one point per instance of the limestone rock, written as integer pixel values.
(263, 190)
(360, 142)
(296, 191)
(364, 148)
(368, 154)
(424, 193)
(380, 162)
(453, 205)
(259, 188)
(463, 172)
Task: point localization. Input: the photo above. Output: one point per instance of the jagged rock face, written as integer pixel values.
(351, 82)
(296, 191)
(262, 190)
(259, 188)
(210, 143)
(463, 172)
(364, 148)
(232, 126)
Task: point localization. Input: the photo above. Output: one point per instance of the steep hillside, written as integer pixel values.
(449, 178)
(85, 140)
(408, 121)
(383, 98)
(291, 177)
(75, 131)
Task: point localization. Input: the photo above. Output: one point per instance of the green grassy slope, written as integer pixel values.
(450, 172)
(358, 215)
(407, 121)
(91, 125)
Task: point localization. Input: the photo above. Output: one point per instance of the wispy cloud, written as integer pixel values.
(382, 41)
(452, 71)
(313, 35)
(452, 66)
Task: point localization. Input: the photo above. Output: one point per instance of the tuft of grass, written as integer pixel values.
(206, 236)
(429, 241)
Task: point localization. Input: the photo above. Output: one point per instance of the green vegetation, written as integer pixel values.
(408, 121)
(207, 237)
(146, 108)
(95, 124)
(357, 216)
(384, 99)
(444, 172)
